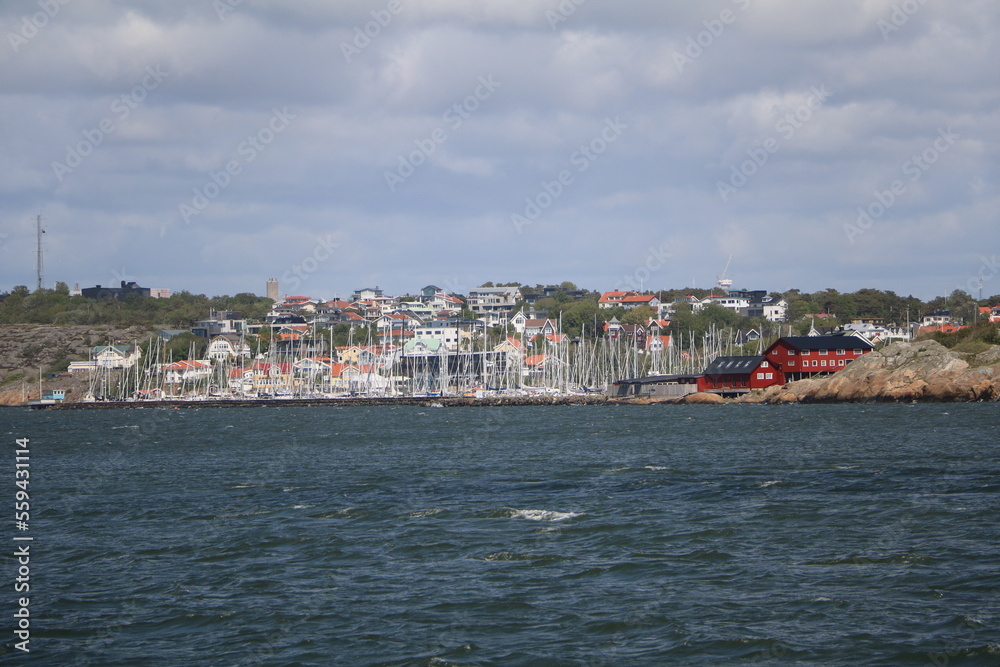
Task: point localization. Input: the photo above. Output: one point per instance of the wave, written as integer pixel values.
(424, 513)
(857, 559)
(537, 559)
(534, 515)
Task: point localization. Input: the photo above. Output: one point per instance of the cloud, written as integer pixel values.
(892, 90)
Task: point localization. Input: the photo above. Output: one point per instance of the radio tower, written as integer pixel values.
(980, 301)
(38, 262)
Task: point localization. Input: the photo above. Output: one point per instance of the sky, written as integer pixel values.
(208, 145)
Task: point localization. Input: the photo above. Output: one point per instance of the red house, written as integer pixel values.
(797, 357)
(738, 374)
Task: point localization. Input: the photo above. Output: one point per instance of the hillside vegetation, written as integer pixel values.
(181, 310)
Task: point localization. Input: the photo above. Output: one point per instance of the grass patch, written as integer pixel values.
(986, 332)
(971, 347)
(16, 376)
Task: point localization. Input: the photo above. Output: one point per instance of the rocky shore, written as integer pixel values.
(901, 372)
(920, 371)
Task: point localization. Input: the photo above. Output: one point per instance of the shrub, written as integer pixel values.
(971, 347)
(13, 377)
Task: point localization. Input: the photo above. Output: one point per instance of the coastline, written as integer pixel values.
(422, 401)
(924, 371)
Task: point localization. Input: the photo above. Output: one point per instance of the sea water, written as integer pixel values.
(833, 535)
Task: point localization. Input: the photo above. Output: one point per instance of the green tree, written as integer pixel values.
(578, 314)
(638, 315)
(720, 316)
(546, 303)
(185, 346)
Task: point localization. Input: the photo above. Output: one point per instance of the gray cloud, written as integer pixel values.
(895, 77)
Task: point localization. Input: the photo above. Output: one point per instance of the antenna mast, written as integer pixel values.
(975, 313)
(38, 262)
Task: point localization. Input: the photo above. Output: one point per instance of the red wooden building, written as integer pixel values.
(797, 357)
(738, 374)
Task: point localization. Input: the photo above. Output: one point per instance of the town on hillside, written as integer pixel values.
(496, 340)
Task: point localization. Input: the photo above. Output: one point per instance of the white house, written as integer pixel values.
(494, 304)
(449, 334)
(220, 322)
(366, 293)
(770, 308)
(227, 346)
(876, 333)
(734, 303)
(612, 299)
(517, 321)
(421, 310)
(536, 327)
(422, 347)
(186, 371)
(659, 343)
(108, 356)
(440, 301)
(936, 318)
(398, 320)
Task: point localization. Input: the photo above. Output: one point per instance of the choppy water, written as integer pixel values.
(511, 536)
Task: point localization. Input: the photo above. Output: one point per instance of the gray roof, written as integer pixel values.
(657, 379)
(827, 343)
(495, 290)
(733, 365)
